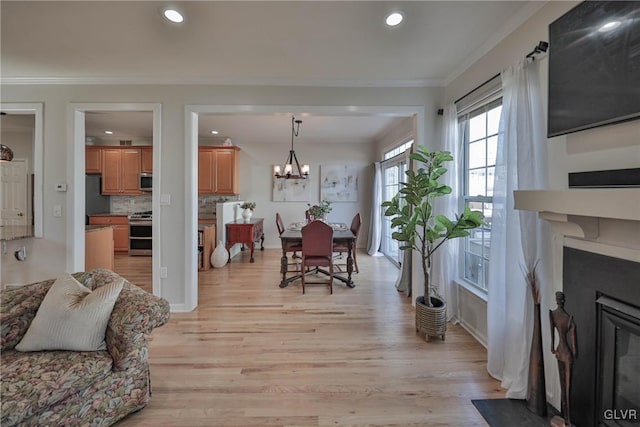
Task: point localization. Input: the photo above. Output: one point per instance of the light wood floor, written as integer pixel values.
(253, 354)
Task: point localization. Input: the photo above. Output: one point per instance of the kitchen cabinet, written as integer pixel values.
(147, 159)
(218, 170)
(120, 225)
(98, 244)
(121, 171)
(206, 243)
(93, 160)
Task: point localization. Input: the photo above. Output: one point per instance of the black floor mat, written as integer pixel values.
(510, 412)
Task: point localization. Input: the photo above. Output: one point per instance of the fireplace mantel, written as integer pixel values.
(575, 212)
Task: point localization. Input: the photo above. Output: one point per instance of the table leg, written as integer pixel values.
(349, 282)
(251, 245)
(283, 268)
(262, 242)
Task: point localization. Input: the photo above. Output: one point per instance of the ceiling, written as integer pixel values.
(316, 43)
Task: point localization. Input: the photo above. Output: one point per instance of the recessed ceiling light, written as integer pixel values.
(214, 132)
(173, 15)
(609, 26)
(394, 19)
(108, 132)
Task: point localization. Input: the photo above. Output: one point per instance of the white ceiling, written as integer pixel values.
(318, 43)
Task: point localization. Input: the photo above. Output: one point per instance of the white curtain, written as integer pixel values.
(517, 237)
(403, 282)
(375, 225)
(445, 263)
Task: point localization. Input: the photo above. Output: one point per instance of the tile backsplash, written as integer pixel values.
(129, 204)
(207, 204)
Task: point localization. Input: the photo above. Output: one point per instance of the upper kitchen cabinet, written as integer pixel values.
(218, 170)
(121, 171)
(93, 160)
(147, 159)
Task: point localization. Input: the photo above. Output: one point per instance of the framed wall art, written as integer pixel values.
(339, 183)
(291, 190)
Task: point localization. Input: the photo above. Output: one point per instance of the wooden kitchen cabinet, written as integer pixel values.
(206, 243)
(121, 171)
(98, 244)
(93, 160)
(218, 170)
(120, 225)
(147, 160)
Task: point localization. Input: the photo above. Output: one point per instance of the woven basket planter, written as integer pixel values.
(431, 321)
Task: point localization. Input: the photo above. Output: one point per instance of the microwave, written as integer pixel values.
(145, 182)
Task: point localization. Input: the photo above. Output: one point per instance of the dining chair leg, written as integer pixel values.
(355, 260)
(331, 278)
(302, 274)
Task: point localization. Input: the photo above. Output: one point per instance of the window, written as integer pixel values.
(394, 167)
(398, 150)
(480, 137)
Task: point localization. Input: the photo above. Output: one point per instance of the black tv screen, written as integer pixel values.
(594, 66)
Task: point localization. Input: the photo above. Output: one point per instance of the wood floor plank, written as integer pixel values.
(253, 354)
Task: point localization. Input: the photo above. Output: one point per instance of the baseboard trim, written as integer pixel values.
(474, 333)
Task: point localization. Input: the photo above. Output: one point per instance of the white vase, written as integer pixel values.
(219, 256)
(246, 214)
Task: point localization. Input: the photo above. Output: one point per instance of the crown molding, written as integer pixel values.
(220, 82)
(510, 26)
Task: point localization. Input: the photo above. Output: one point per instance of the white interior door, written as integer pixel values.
(15, 191)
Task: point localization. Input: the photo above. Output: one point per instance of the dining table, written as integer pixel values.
(292, 235)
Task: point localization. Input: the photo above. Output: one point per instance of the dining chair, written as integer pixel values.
(342, 247)
(290, 247)
(317, 251)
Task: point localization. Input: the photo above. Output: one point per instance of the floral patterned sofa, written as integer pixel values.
(67, 388)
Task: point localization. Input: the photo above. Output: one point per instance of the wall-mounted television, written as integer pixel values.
(594, 66)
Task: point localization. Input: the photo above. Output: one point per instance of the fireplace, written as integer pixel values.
(618, 362)
(603, 295)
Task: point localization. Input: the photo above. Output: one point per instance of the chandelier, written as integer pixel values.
(292, 160)
(6, 155)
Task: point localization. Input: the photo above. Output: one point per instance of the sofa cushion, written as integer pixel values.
(71, 317)
(34, 381)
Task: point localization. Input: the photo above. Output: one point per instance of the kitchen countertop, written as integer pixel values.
(109, 214)
(96, 227)
(16, 232)
(206, 217)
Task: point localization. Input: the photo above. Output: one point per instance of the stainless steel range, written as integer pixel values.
(140, 236)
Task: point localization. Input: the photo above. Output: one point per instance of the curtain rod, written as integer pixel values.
(540, 48)
(476, 88)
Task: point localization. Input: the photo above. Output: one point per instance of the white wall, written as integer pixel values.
(610, 147)
(49, 256)
(256, 164)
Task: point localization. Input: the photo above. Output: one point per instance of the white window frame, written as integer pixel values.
(485, 97)
(392, 157)
(482, 283)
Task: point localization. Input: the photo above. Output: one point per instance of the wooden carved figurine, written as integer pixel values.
(565, 352)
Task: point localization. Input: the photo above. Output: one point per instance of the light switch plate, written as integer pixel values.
(57, 211)
(163, 272)
(165, 199)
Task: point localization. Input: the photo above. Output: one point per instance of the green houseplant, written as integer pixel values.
(321, 210)
(421, 230)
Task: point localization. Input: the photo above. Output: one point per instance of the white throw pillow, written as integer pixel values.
(71, 317)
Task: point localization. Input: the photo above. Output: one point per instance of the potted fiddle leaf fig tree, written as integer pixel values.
(421, 230)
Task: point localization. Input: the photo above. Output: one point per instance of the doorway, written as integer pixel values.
(192, 113)
(81, 114)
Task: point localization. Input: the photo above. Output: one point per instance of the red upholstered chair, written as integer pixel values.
(355, 229)
(317, 250)
(290, 247)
